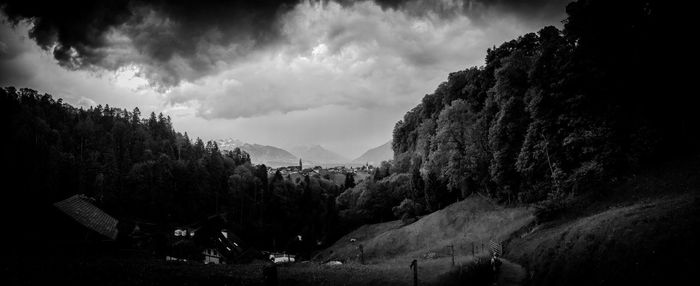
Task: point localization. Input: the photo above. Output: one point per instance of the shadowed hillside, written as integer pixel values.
(647, 235)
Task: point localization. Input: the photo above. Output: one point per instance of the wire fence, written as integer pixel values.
(492, 248)
(475, 248)
(451, 251)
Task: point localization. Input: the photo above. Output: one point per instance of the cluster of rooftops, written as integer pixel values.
(206, 241)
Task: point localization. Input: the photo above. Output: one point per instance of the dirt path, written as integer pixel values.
(511, 274)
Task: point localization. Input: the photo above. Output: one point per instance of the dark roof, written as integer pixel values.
(84, 212)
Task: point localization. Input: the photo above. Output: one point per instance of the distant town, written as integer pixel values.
(312, 156)
(333, 172)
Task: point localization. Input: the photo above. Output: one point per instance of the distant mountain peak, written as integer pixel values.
(261, 154)
(318, 154)
(308, 147)
(376, 155)
(230, 142)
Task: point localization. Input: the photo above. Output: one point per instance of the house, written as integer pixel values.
(212, 256)
(279, 258)
(81, 209)
(183, 232)
(208, 241)
(293, 168)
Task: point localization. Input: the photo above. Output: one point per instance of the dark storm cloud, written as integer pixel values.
(79, 25)
(525, 9)
(83, 34)
(172, 41)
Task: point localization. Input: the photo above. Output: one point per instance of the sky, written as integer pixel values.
(336, 73)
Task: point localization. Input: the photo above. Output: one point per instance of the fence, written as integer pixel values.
(473, 248)
(492, 247)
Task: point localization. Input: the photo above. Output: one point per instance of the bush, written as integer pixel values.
(407, 211)
(553, 206)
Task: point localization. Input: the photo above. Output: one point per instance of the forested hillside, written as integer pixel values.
(555, 113)
(551, 115)
(140, 169)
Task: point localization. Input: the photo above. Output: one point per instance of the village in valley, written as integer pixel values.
(334, 172)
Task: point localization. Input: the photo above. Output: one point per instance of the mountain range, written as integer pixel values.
(261, 154)
(310, 155)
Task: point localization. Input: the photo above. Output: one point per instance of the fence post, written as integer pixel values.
(414, 266)
(362, 254)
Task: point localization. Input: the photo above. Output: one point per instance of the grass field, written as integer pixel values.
(475, 220)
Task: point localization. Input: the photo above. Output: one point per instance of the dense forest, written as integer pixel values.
(555, 113)
(141, 170)
(551, 115)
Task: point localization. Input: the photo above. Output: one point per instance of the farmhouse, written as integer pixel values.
(208, 241)
(94, 221)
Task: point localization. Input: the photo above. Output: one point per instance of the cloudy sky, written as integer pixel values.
(284, 73)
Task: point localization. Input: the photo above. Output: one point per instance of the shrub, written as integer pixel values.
(407, 210)
(553, 206)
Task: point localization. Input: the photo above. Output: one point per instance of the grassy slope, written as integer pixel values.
(390, 247)
(647, 234)
(475, 219)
